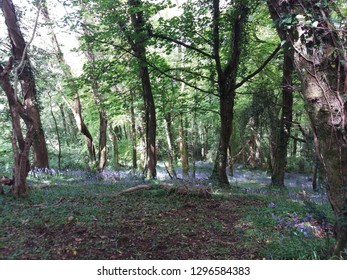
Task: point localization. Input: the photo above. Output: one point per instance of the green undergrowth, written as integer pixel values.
(79, 220)
(286, 229)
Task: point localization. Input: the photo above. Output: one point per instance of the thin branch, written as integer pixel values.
(190, 72)
(165, 37)
(163, 72)
(266, 62)
(216, 39)
(21, 64)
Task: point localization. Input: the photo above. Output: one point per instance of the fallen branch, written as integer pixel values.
(170, 189)
(136, 188)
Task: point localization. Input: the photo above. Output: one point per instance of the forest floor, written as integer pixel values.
(77, 215)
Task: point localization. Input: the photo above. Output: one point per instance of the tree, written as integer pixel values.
(226, 80)
(285, 123)
(91, 56)
(219, 48)
(19, 111)
(76, 107)
(320, 59)
(27, 82)
(137, 42)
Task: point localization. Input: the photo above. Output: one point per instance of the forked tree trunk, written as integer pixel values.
(226, 85)
(76, 109)
(138, 22)
(318, 56)
(21, 146)
(27, 82)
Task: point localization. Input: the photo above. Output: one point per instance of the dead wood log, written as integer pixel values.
(136, 188)
(182, 190)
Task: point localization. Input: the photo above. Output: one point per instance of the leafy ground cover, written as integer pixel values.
(82, 216)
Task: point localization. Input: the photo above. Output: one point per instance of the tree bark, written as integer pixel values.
(90, 54)
(280, 154)
(183, 147)
(21, 146)
(27, 82)
(76, 107)
(323, 89)
(169, 139)
(114, 137)
(102, 140)
(226, 85)
(133, 132)
(56, 131)
(138, 23)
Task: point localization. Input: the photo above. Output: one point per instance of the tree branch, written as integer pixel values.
(266, 62)
(164, 72)
(165, 37)
(24, 55)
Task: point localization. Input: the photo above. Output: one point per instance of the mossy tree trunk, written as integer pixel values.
(138, 46)
(20, 144)
(226, 84)
(318, 56)
(27, 82)
(282, 139)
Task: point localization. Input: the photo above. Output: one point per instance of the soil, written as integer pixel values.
(195, 229)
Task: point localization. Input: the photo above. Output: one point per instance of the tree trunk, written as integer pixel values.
(226, 108)
(295, 144)
(21, 146)
(138, 22)
(56, 131)
(102, 140)
(169, 137)
(114, 138)
(27, 82)
(230, 161)
(97, 96)
(205, 148)
(76, 107)
(226, 85)
(323, 88)
(280, 154)
(65, 125)
(133, 132)
(183, 147)
(194, 133)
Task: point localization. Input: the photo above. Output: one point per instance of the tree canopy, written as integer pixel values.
(99, 85)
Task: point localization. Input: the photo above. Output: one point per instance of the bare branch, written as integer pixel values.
(165, 37)
(266, 62)
(21, 64)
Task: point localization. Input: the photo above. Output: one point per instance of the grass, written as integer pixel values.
(71, 218)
